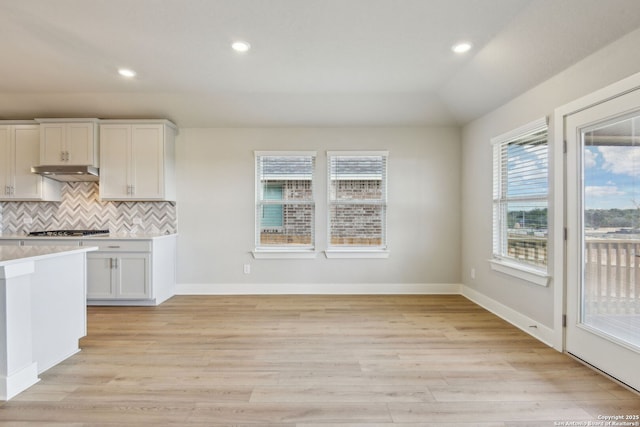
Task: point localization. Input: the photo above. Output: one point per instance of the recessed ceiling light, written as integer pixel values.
(125, 72)
(240, 46)
(461, 47)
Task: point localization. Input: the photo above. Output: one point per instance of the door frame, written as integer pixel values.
(559, 194)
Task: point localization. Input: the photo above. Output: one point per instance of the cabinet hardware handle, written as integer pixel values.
(114, 247)
(62, 156)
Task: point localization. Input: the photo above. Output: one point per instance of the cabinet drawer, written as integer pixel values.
(119, 245)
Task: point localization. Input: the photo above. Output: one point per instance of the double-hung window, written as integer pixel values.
(285, 207)
(520, 198)
(357, 201)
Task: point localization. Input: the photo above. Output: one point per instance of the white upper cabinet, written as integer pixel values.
(137, 160)
(68, 142)
(19, 151)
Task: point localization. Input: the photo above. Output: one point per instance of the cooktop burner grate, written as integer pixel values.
(54, 233)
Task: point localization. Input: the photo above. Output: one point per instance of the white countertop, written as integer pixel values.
(112, 236)
(16, 254)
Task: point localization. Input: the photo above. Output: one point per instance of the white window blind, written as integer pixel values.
(285, 207)
(520, 195)
(357, 187)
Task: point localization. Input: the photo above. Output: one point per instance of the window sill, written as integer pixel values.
(356, 253)
(520, 271)
(284, 254)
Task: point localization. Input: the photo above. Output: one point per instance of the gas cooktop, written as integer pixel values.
(57, 233)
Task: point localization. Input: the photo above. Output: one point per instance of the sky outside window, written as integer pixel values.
(612, 166)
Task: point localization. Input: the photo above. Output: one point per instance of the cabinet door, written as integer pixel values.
(133, 276)
(52, 143)
(100, 276)
(79, 143)
(27, 185)
(115, 143)
(6, 162)
(147, 157)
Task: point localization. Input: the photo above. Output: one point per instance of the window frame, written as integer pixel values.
(358, 251)
(500, 260)
(283, 250)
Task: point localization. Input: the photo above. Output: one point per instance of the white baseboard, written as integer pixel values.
(18, 381)
(318, 289)
(532, 327)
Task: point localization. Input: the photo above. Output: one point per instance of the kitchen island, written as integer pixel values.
(42, 311)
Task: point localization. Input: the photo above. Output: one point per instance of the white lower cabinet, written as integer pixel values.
(131, 272)
(112, 275)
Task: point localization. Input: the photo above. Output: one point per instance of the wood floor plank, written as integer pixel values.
(345, 394)
(312, 361)
(543, 413)
(292, 412)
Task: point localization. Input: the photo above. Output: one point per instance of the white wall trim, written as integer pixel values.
(535, 329)
(318, 288)
(521, 271)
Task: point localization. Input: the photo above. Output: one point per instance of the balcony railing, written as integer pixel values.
(612, 277)
(611, 292)
(530, 249)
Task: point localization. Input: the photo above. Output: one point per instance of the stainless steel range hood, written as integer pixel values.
(66, 173)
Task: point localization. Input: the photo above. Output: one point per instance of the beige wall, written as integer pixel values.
(607, 66)
(215, 172)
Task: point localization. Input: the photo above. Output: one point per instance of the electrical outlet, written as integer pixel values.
(137, 221)
(27, 220)
(473, 273)
(247, 269)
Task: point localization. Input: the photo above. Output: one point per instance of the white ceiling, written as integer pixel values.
(312, 62)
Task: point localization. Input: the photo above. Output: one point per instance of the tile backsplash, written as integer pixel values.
(81, 208)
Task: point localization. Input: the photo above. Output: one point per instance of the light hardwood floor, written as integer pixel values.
(314, 361)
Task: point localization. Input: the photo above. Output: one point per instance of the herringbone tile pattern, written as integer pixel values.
(81, 208)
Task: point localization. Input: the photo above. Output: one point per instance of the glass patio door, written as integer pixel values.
(603, 244)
